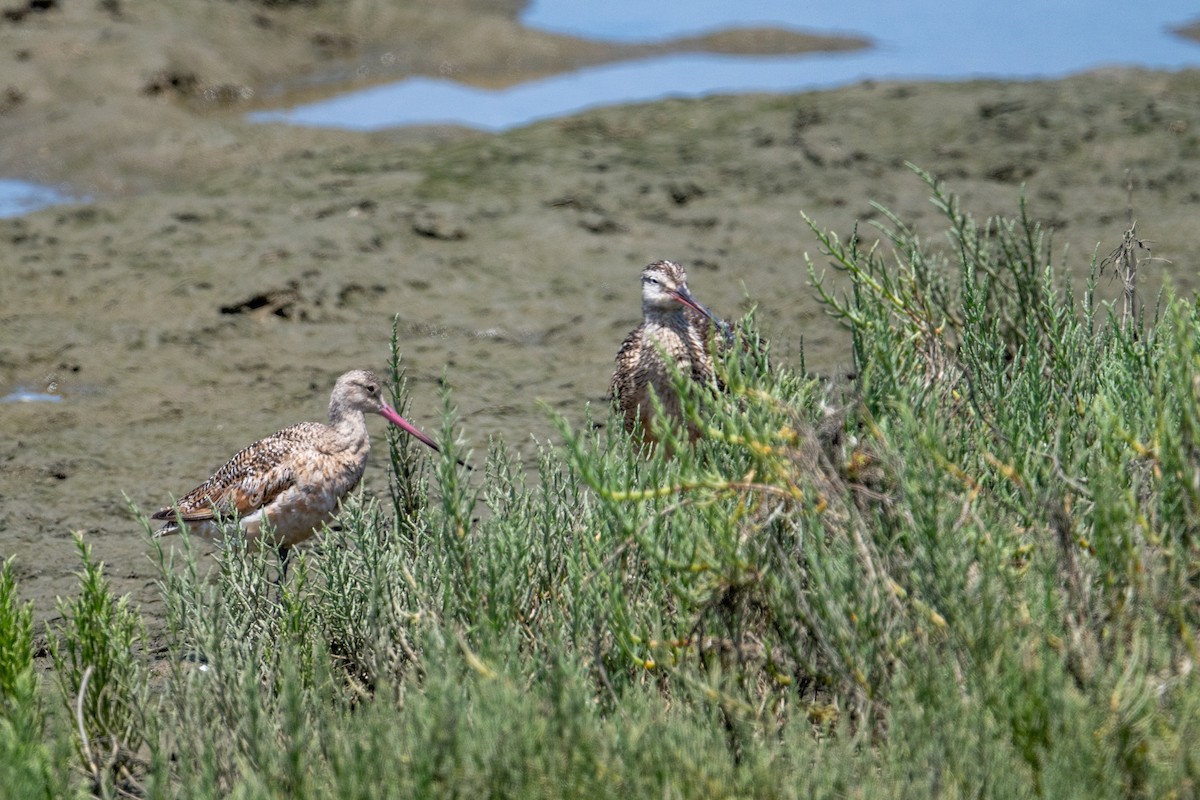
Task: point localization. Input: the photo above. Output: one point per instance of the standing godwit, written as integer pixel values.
(292, 480)
(675, 329)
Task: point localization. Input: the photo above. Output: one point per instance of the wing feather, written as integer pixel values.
(250, 480)
(621, 383)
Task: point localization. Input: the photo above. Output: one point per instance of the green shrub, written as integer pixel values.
(30, 766)
(970, 571)
(98, 653)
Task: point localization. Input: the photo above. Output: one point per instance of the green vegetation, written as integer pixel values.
(973, 572)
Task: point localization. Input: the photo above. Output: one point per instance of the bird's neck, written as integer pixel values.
(677, 335)
(672, 317)
(350, 428)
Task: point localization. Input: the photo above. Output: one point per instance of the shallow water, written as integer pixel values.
(914, 40)
(22, 197)
(22, 394)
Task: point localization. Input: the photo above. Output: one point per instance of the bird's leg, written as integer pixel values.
(284, 551)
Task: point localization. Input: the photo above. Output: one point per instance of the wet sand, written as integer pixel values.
(227, 273)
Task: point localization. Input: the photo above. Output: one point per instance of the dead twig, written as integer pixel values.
(92, 766)
(1125, 259)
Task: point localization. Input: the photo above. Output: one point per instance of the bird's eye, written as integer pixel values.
(372, 388)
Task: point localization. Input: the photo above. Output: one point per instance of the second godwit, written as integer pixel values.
(675, 330)
(291, 482)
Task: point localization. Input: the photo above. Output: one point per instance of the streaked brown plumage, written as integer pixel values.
(295, 478)
(675, 328)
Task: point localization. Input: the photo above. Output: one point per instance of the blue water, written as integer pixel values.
(916, 39)
(23, 395)
(22, 197)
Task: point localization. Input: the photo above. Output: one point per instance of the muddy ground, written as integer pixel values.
(226, 273)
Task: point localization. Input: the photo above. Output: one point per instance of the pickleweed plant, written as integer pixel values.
(1031, 433)
(985, 502)
(408, 483)
(34, 754)
(17, 682)
(24, 758)
(966, 569)
(97, 651)
(746, 570)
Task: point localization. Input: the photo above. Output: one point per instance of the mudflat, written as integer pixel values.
(225, 273)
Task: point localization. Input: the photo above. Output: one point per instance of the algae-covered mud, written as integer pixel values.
(253, 264)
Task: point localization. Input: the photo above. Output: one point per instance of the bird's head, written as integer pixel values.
(362, 390)
(664, 289)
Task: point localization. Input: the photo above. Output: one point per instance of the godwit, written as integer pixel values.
(675, 328)
(292, 480)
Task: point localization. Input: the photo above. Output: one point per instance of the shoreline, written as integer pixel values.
(162, 91)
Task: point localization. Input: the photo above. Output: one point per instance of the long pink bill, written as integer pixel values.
(683, 296)
(392, 416)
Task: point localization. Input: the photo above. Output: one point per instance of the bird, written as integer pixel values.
(675, 328)
(292, 482)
